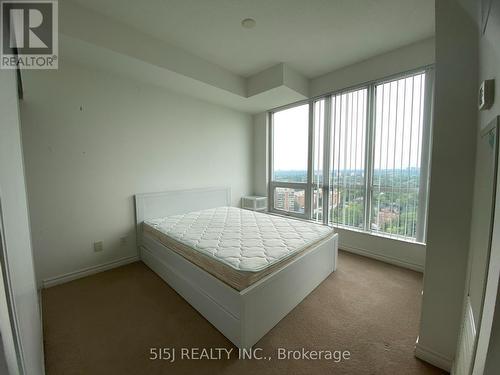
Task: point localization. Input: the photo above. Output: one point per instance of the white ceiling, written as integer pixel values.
(311, 36)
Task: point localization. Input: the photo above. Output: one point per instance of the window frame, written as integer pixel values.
(306, 186)
(423, 188)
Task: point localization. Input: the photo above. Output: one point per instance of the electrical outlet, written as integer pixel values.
(123, 241)
(98, 246)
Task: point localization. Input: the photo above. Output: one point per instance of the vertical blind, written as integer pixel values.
(397, 155)
(347, 159)
(368, 158)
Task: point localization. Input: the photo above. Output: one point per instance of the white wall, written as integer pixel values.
(452, 174)
(489, 68)
(484, 260)
(481, 223)
(486, 358)
(16, 258)
(411, 255)
(93, 140)
(260, 156)
(400, 60)
(405, 254)
(489, 60)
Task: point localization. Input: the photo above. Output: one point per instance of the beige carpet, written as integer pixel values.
(107, 323)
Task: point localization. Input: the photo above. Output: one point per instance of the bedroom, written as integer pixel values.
(270, 179)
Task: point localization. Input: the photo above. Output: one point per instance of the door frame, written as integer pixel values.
(10, 339)
(493, 278)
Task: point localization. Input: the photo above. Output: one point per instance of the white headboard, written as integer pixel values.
(175, 202)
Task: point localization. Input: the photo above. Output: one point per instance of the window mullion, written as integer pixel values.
(425, 157)
(270, 192)
(326, 157)
(369, 149)
(310, 165)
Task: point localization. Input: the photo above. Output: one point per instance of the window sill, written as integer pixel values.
(350, 229)
(376, 234)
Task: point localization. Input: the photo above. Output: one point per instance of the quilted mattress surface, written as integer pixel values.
(246, 242)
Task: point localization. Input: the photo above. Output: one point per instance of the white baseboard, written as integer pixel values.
(382, 258)
(52, 281)
(432, 357)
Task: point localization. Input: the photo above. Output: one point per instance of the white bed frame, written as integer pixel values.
(242, 316)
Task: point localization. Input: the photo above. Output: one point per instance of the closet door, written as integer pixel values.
(485, 242)
(16, 258)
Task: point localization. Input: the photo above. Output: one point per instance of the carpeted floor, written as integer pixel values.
(108, 323)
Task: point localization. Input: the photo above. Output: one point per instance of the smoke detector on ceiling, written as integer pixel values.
(248, 23)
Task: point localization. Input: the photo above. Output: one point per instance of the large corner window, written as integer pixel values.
(356, 159)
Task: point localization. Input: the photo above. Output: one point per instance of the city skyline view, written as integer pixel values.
(394, 198)
(393, 166)
(397, 129)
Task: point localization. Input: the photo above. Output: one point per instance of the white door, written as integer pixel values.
(16, 257)
(490, 313)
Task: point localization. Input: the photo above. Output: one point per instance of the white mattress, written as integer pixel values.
(243, 240)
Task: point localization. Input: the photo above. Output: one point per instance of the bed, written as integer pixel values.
(242, 270)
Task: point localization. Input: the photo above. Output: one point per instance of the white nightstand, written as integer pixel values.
(254, 203)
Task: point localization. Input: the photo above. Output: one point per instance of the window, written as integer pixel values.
(356, 159)
(347, 159)
(399, 114)
(290, 134)
(289, 147)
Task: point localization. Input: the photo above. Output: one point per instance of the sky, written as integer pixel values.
(398, 129)
(290, 133)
